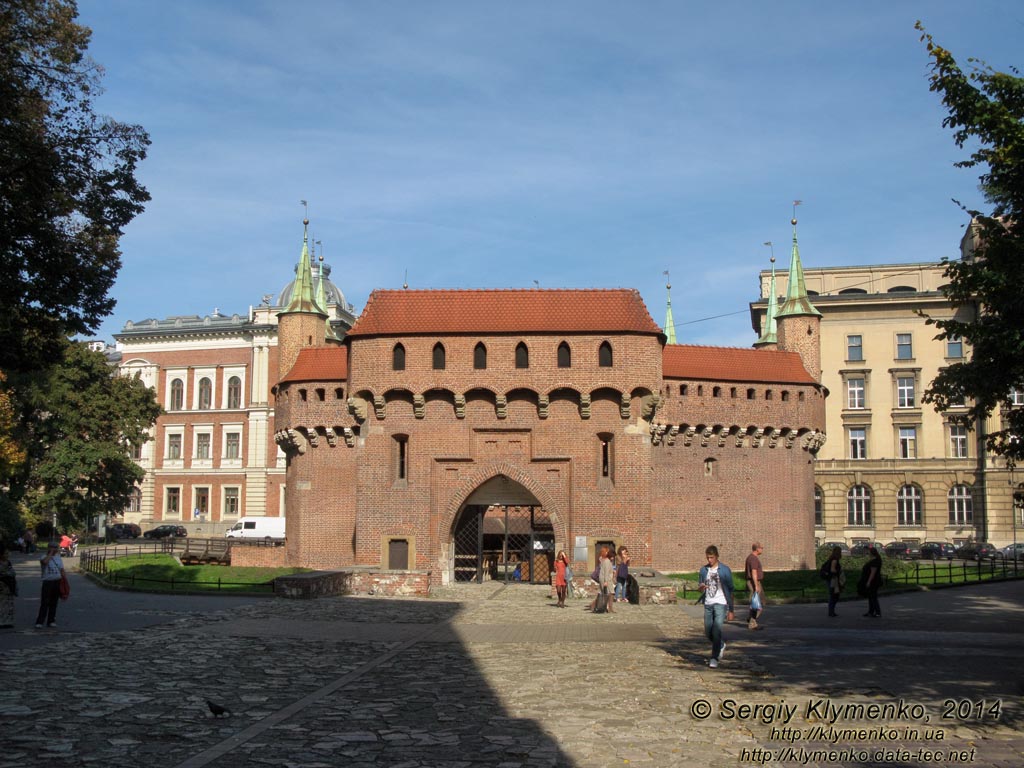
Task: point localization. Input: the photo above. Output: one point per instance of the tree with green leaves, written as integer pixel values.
(67, 184)
(986, 114)
(83, 419)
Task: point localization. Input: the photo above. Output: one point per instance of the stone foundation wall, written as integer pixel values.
(650, 594)
(309, 586)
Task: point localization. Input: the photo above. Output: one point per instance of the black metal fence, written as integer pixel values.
(96, 562)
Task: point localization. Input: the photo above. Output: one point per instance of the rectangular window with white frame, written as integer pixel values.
(908, 442)
(905, 395)
(203, 445)
(904, 346)
(954, 347)
(202, 438)
(232, 501)
(172, 503)
(854, 348)
(174, 446)
(858, 443)
(1016, 397)
(232, 445)
(855, 393)
(957, 441)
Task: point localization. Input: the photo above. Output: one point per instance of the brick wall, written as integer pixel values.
(542, 428)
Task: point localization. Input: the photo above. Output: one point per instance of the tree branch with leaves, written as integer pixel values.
(986, 114)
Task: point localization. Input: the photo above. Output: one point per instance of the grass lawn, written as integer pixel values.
(163, 573)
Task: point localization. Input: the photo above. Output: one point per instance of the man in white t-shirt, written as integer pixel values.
(53, 572)
(715, 584)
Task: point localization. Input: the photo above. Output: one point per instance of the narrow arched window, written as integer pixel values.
(177, 394)
(819, 507)
(439, 357)
(522, 356)
(604, 355)
(564, 356)
(909, 502)
(480, 357)
(398, 358)
(234, 392)
(205, 393)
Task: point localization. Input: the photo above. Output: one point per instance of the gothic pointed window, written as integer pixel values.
(480, 357)
(439, 357)
(604, 355)
(564, 356)
(398, 358)
(522, 356)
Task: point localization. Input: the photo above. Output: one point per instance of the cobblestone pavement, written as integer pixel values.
(477, 676)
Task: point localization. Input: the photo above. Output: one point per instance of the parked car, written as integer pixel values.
(860, 548)
(165, 531)
(843, 546)
(978, 551)
(125, 531)
(937, 550)
(1013, 551)
(902, 550)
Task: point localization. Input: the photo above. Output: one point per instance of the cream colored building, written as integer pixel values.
(892, 468)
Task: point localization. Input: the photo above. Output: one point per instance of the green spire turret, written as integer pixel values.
(769, 333)
(302, 298)
(797, 303)
(670, 324)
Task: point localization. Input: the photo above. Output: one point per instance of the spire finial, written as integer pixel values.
(303, 298)
(769, 331)
(305, 212)
(797, 302)
(670, 323)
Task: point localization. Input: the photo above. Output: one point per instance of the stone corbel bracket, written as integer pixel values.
(543, 403)
(501, 406)
(584, 406)
(460, 406)
(380, 407)
(419, 406)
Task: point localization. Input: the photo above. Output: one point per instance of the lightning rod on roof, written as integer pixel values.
(406, 283)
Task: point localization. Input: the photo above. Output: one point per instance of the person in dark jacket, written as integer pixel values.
(871, 577)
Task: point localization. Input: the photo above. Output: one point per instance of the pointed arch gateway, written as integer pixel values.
(504, 531)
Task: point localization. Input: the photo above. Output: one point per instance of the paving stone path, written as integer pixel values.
(475, 676)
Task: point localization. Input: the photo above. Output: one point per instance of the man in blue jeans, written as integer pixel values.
(715, 584)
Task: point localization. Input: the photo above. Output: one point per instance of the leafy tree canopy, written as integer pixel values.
(986, 114)
(67, 184)
(82, 420)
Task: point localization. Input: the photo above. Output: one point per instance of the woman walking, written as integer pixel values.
(622, 575)
(872, 578)
(53, 571)
(835, 580)
(561, 583)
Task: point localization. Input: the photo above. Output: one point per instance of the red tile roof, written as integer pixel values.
(686, 361)
(405, 312)
(319, 364)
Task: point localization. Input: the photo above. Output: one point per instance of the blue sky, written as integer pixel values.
(576, 144)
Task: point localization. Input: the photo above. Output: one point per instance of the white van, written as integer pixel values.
(257, 528)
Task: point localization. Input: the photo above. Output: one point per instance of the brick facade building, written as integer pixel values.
(472, 434)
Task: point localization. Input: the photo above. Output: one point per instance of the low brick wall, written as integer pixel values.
(356, 581)
(651, 593)
(258, 556)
